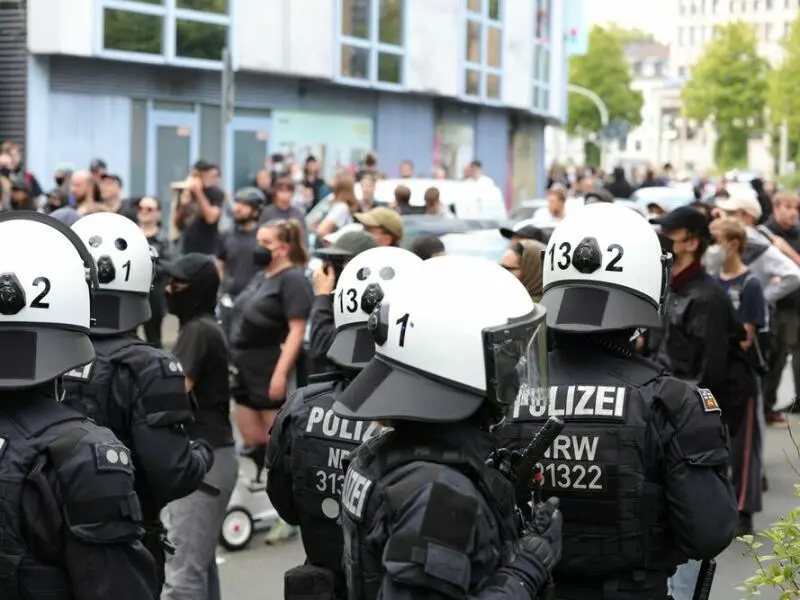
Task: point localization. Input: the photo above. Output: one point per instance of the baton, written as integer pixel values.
(702, 589)
(526, 468)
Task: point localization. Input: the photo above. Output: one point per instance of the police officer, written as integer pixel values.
(67, 502)
(640, 448)
(322, 330)
(423, 515)
(132, 388)
(309, 443)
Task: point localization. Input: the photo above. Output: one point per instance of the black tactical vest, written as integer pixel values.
(30, 436)
(602, 466)
(321, 441)
(365, 502)
(88, 389)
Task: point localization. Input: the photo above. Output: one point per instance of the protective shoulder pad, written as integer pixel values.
(314, 390)
(160, 380)
(95, 473)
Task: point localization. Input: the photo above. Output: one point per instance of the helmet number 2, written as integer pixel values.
(565, 259)
(352, 300)
(37, 302)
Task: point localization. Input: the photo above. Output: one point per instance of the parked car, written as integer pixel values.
(669, 198)
(485, 243)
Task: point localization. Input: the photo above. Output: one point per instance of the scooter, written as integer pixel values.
(249, 510)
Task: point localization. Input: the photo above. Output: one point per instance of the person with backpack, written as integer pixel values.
(747, 296)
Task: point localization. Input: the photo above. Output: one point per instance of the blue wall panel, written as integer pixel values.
(491, 144)
(404, 130)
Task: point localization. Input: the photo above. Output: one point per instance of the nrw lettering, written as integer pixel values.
(325, 423)
(573, 447)
(577, 401)
(336, 456)
(354, 495)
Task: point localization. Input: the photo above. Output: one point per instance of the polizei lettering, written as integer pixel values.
(576, 402)
(355, 493)
(324, 423)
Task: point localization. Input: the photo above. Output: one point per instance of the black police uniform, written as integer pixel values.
(70, 521)
(640, 469)
(308, 445)
(423, 516)
(138, 392)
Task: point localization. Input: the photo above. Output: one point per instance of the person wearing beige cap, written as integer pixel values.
(384, 224)
(744, 208)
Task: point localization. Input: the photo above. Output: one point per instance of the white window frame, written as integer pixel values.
(171, 14)
(546, 43)
(482, 67)
(374, 46)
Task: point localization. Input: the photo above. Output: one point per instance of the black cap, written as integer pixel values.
(97, 164)
(526, 232)
(348, 245)
(116, 178)
(190, 267)
(684, 217)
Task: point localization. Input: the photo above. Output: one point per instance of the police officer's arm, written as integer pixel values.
(710, 323)
(173, 466)
(102, 553)
(702, 508)
(279, 482)
(323, 329)
(444, 541)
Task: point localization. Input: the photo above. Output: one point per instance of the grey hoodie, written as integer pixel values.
(778, 274)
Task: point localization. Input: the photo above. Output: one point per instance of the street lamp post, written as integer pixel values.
(601, 108)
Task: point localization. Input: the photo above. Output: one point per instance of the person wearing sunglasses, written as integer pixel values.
(148, 215)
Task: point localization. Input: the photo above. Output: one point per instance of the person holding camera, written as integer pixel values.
(335, 257)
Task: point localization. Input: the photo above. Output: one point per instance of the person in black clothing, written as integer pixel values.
(198, 211)
(132, 388)
(335, 257)
(71, 520)
(236, 246)
(650, 180)
(619, 186)
(313, 181)
(195, 521)
(763, 198)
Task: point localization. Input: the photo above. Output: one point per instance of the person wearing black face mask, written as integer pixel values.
(195, 520)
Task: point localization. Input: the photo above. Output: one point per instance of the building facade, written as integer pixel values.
(438, 82)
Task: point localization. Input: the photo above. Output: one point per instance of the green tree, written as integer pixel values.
(602, 70)
(627, 36)
(784, 82)
(728, 85)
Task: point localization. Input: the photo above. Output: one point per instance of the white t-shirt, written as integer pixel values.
(339, 214)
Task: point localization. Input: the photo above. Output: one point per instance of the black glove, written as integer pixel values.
(540, 548)
(544, 537)
(504, 460)
(205, 451)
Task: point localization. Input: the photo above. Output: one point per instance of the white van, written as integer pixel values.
(467, 199)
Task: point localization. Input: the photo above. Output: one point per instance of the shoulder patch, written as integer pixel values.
(113, 457)
(355, 493)
(3, 445)
(709, 402)
(83, 373)
(171, 367)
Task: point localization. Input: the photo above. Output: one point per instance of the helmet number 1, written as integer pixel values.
(352, 300)
(403, 322)
(127, 267)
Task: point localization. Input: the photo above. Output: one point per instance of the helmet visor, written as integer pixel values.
(516, 360)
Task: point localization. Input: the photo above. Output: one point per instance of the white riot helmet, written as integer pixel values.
(604, 270)
(459, 334)
(124, 269)
(369, 278)
(45, 306)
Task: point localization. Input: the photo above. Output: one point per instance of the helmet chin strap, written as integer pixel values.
(58, 391)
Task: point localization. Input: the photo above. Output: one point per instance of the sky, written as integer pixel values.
(653, 16)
